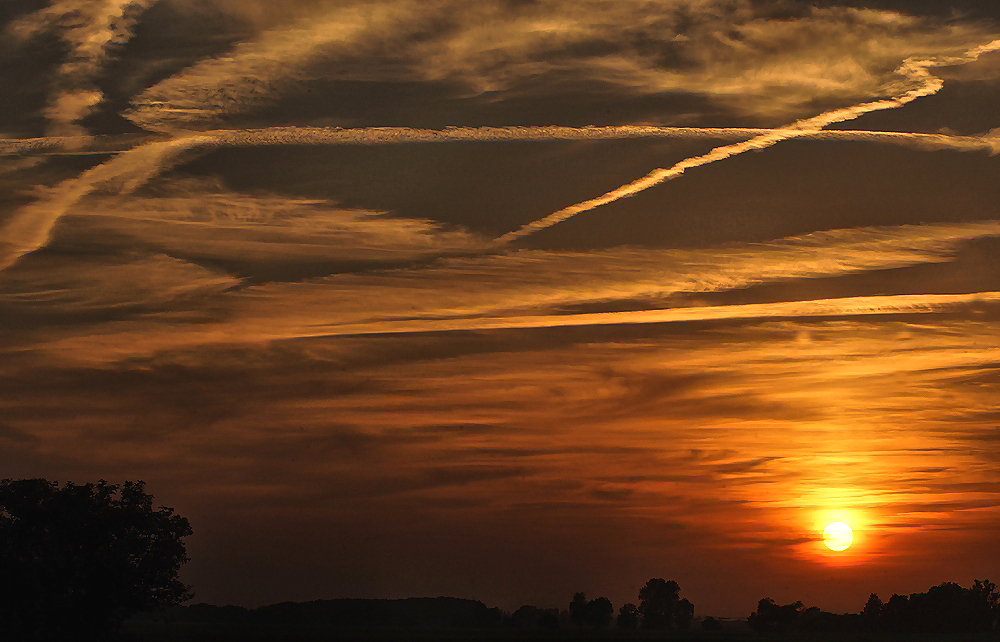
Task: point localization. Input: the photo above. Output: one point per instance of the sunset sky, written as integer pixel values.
(510, 299)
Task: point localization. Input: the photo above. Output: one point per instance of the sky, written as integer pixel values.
(512, 299)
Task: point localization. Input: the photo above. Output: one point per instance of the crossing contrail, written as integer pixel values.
(30, 227)
(916, 69)
(291, 135)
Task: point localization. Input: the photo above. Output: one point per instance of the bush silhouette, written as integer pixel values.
(661, 606)
(628, 616)
(77, 560)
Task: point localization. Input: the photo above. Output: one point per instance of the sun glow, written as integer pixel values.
(838, 536)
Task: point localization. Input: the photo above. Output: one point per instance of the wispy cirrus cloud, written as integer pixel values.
(738, 54)
(29, 228)
(918, 83)
(202, 221)
(536, 289)
(91, 30)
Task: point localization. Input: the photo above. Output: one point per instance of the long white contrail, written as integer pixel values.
(839, 307)
(915, 69)
(290, 135)
(30, 227)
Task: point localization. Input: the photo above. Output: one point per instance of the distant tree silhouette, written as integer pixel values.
(770, 616)
(658, 603)
(944, 609)
(596, 613)
(76, 561)
(578, 609)
(600, 612)
(531, 617)
(711, 624)
(895, 612)
(683, 614)
(950, 607)
(872, 613)
(628, 617)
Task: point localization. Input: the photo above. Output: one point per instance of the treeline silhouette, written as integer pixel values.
(413, 612)
(77, 561)
(945, 608)
(660, 607)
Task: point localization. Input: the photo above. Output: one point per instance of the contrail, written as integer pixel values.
(394, 135)
(30, 227)
(839, 307)
(291, 135)
(916, 69)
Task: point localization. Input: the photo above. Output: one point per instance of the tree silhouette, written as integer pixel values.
(628, 617)
(658, 602)
(601, 612)
(77, 560)
(596, 613)
(711, 624)
(683, 614)
(578, 609)
(770, 616)
(872, 613)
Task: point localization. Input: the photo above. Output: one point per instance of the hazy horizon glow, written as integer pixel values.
(300, 271)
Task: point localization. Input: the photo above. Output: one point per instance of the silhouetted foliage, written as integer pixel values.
(596, 613)
(578, 609)
(628, 617)
(770, 616)
(601, 612)
(711, 624)
(76, 561)
(683, 614)
(872, 611)
(414, 612)
(943, 608)
(532, 617)
(659, 604)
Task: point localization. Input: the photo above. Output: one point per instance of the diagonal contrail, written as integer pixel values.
(30, 227)
(916, 69)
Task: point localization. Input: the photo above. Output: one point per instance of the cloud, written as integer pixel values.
(47, 285)
(28, 229)
(261, 70)
(288, 135)
(90, 29)
(206, 222)
(536, 289)
(742, 55)
(919, 83)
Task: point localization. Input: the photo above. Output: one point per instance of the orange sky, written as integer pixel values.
(301, 329)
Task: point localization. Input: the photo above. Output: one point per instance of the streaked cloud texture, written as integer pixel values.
(395, 298)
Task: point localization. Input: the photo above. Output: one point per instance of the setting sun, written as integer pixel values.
(838, 536)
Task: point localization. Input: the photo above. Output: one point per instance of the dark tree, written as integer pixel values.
(711, 624)
(872, 612)
(658, 601)
(600, 612)
(628, 617)
(770, 616)
(77, 560)
(578, 609)
(683, 614)
(531, 617)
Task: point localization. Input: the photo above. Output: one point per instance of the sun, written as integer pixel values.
(838, 536)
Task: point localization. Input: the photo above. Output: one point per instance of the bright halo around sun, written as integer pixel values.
(838, 536)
